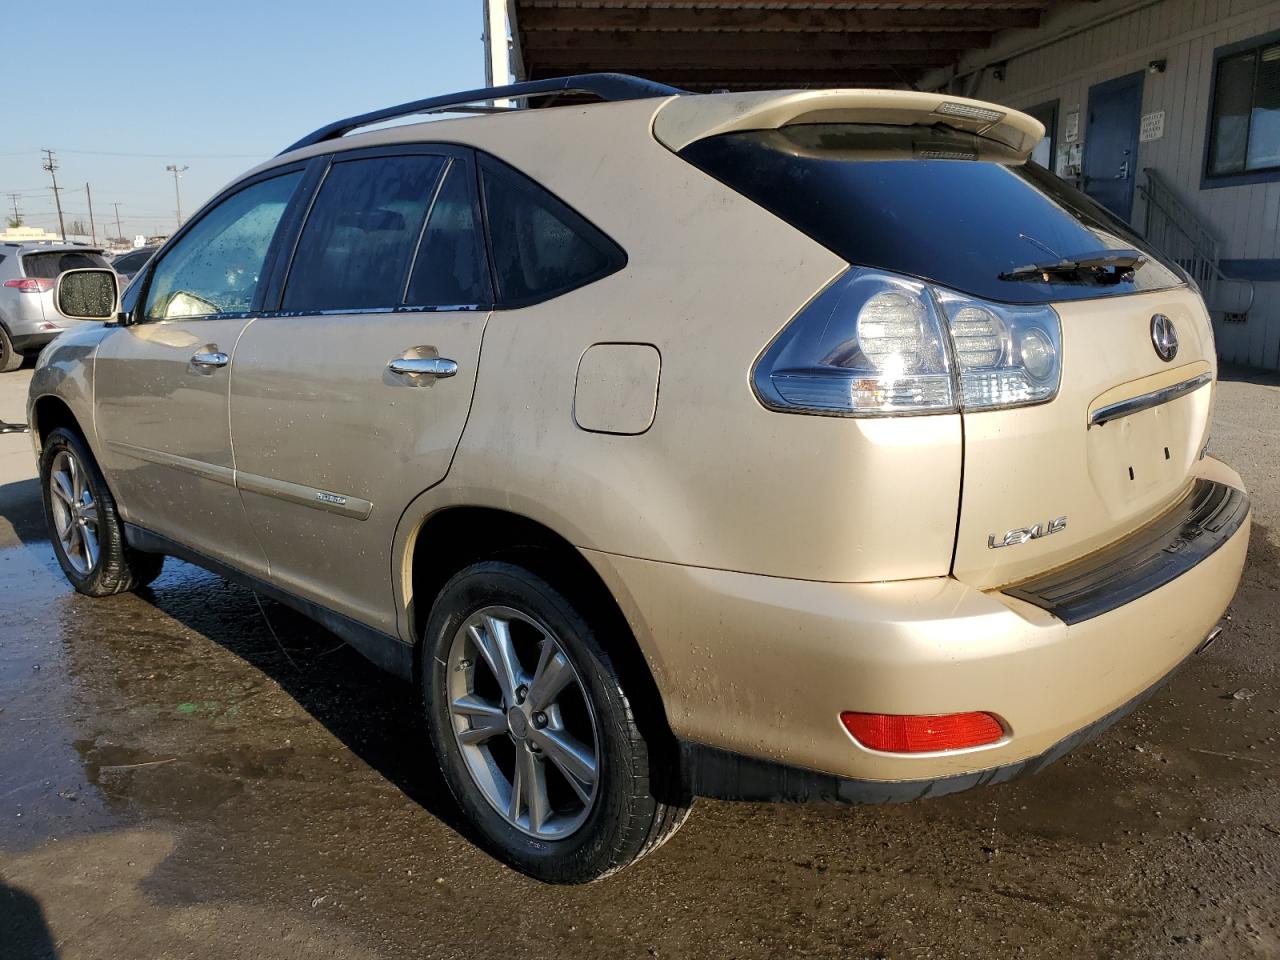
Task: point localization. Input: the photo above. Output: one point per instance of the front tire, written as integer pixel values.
(535, 733)
(84, 526)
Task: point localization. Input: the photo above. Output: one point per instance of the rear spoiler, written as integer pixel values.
(684, 120)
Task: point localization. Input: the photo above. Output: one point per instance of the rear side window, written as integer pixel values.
(49, 265)
(541, 248)
(929, 202)
(359, 239)
(451, 269)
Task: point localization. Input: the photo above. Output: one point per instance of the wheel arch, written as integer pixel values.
(455, 537)
(49, 412)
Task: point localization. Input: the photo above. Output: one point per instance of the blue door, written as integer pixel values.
(1111, 143)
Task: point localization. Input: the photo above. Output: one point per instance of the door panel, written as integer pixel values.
(1111, 143)
(166, 444)
(331, 445)
(162, 383)
(332, 442)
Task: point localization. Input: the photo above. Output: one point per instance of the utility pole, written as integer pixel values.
(17, 214)
(51, 165)
(177, 197)
(119, 230)
(93, 230)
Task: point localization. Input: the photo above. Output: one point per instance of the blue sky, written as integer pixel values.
(120, 90)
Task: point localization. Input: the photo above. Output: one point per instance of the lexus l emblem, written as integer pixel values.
(1164, 337)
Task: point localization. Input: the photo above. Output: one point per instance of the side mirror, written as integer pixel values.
(90, 293)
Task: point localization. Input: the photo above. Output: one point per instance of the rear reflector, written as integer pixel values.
(31, 284)
(912, 733)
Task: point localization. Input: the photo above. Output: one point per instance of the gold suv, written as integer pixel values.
(810, 445)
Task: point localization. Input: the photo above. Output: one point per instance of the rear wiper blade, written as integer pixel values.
(1101, 266)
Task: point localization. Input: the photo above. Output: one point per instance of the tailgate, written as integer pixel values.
(1026, 469)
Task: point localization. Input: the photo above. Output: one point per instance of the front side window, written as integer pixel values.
(541, 248)
(217, 265)
(360, 236)
(1244, 128)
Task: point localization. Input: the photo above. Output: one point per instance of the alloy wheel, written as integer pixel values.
(75, 512)
(523, 722)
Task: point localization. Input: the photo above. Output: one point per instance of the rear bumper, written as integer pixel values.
(31, 342)
(758, 669)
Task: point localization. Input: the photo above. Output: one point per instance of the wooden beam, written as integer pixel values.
(757, 41)
(795, 59)
(523, 5)
(532, 19)
(769, 79)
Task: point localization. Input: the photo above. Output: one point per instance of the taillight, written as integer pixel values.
(875, 344)
(920, 733)
(31, 284)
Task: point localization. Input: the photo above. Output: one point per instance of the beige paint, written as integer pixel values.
(314, 409)
(165, 444)
(617, 388)
(775, 568)
(764, 665)
(686, 119)
(1034, 464)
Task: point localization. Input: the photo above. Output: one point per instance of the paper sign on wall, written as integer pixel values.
(1072, 130)
(1152, 127)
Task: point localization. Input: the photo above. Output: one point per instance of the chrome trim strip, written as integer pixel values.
(209, 471)
(305, 496)
(1125, 408)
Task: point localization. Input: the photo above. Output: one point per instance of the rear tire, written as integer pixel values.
(84, 526)
(10, 357)
(498, 640)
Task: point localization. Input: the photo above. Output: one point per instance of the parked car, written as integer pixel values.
(28, 317)
(128, 264)
(784, 446)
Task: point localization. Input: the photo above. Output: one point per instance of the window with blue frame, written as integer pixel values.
(1244, 119)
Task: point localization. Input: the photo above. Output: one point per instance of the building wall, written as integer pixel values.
(1185, 33)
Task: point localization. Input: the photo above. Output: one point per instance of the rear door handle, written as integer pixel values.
(435, 367)
(210, 360)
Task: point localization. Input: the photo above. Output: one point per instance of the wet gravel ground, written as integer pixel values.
(184, 774)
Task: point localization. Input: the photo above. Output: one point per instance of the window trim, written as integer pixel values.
(614, 252)
(135, 315)
(319, 170)
(1211, 181)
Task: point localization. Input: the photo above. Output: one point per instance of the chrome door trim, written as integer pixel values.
(304, 496)
(1126, 408)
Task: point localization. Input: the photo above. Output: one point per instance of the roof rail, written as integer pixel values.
(606, 86)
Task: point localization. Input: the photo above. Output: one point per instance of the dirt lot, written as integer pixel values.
(184, 774)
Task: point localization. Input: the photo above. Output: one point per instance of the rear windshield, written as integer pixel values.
(930, 202)
(52, 263)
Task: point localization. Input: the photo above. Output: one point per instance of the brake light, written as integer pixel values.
(917, 733)
(31, 284)
(878, 344)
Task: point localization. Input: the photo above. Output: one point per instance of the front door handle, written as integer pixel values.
(210, 360)
(435, 367)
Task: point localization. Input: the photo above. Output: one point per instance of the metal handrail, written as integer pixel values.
(1205, 265)
(606, 86)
